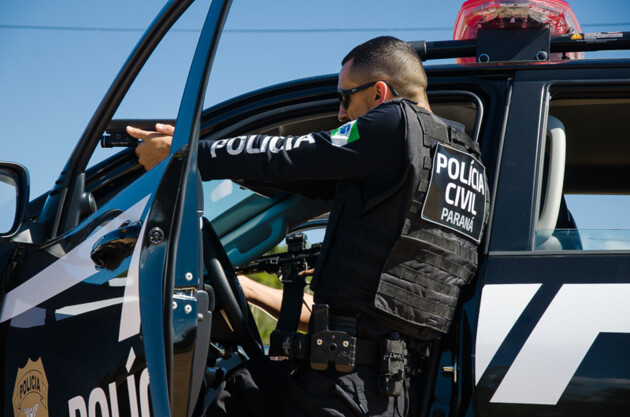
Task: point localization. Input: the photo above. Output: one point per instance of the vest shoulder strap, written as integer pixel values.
(435, 132)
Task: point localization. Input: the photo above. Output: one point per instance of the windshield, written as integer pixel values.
(221, 195)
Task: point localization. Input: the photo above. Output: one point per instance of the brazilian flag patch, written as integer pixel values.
(345, 134)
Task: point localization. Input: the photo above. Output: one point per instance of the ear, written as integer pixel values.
(383, 93)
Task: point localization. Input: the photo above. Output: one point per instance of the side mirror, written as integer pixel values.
(14, 193)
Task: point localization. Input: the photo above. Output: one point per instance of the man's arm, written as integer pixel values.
(155, 147)
(270, 300)
(359, 149)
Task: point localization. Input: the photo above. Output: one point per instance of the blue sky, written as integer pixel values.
(59, 58)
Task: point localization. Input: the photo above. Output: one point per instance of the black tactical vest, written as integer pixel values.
(393, 258)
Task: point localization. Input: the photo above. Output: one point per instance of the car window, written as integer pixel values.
(590, 194)
(221, 195)
(603, 220)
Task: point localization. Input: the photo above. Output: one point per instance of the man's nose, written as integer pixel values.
(342, 116)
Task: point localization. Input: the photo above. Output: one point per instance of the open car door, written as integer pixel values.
(102, 311)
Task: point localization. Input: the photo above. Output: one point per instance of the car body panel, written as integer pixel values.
(66, 313)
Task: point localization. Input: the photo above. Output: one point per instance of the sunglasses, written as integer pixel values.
(344, 95)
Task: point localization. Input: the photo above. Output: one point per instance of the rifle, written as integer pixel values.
(286, 265)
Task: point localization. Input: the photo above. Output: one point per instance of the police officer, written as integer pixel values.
(387, 281)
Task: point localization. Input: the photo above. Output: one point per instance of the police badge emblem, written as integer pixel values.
(30, 394)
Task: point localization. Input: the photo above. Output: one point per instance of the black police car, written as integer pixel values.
(118, 297)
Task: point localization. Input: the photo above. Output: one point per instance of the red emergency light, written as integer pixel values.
(516, 14)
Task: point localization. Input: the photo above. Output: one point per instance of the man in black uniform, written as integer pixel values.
(389, 274)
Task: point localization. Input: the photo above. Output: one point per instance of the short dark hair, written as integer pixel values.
(389, 59)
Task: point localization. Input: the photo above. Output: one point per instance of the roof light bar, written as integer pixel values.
(515, 15)
(576, 42)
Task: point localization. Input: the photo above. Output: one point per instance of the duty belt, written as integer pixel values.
(331, 341)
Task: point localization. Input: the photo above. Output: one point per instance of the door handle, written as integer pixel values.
(110, 250)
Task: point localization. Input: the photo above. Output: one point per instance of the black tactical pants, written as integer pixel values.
(270, 389)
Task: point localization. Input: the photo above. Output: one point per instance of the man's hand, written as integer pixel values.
(155, 146)
(307, 272)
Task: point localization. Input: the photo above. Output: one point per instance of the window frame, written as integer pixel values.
(605, 90)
